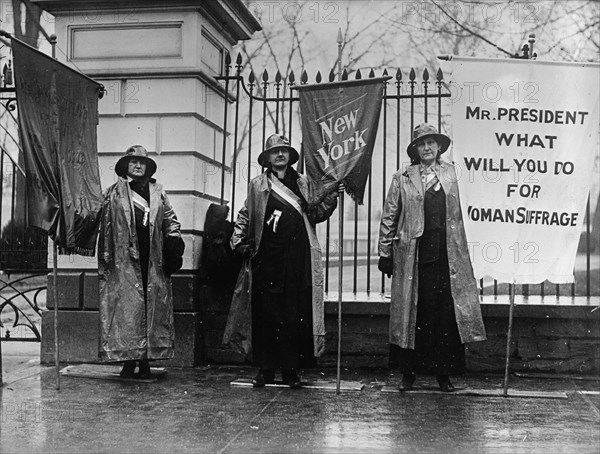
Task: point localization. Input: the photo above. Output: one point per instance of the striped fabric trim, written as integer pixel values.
(285, 194)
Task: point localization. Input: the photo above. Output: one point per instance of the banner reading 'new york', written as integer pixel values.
(525, 139)
(339, 127)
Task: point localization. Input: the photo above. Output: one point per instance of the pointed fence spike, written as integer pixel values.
(372, 73)
(265, 76)
(238, 60)
(413, 75)
(358, 74)
(425, 75)
(385, 72)
(345, 74)
(398, 74)
(291, 77)
(304, 77)
(318, 78)
(331, 75)
(440, 75)
(228, 59)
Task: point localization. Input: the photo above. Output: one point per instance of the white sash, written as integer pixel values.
(286, 194)
(140, 202)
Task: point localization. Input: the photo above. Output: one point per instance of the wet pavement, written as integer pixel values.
(197, 410)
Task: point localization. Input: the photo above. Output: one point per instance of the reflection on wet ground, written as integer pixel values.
(198, 411)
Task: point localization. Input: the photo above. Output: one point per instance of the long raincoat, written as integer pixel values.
(133, 327)
(249, 228)
(402, 225)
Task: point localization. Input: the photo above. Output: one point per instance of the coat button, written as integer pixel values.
(452, 226)
(137, 285)
(409, 278)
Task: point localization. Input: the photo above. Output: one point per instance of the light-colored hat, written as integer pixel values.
(276, 141)
(423, 131)
(139, 152)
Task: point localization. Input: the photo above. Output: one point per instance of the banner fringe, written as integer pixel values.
(77, 250)
(352, 193)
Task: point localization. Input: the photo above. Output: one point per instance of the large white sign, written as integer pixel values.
(525, 135)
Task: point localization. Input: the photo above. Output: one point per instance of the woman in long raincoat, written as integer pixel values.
(139, 247)
(434, 306)
(276, 316)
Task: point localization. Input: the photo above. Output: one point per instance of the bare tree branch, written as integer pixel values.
(469, 30)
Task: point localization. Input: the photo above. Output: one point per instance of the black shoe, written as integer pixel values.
(144, 369)
(445, 385)
(128, 369)
(407, 382)
(290, 378)
(263, 377)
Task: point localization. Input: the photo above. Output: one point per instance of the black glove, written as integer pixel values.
(173, 249)
(386, 265)
(244, 250)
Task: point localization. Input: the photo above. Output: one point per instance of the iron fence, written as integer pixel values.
(264, 105)
(23, 249)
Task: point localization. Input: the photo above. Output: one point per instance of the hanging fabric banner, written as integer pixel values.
(58, 114)
(525, 138)
(339, 127)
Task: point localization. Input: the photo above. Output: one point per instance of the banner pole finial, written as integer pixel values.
(531, 43)
(53, 40)
(340, 41)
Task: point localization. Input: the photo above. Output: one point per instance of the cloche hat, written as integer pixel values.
(423, 131)
(273, 142)
(139, 152)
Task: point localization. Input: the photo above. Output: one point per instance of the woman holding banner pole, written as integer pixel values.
(276, 316)
(434, 306)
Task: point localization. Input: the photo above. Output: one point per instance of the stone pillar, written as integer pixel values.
(157, 61)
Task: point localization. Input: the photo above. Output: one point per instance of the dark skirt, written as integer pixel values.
(282, 291)
(438, 348)
(282, 330)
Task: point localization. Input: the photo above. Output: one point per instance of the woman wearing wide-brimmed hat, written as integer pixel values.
(139, 247)
(434, 306)
(276, 316)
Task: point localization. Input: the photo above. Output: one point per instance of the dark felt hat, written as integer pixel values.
(139, 152)
(274, 142)
(423, 131)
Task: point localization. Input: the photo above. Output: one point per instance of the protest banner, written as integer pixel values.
(339, 127)
(58, 114)
(525, 137)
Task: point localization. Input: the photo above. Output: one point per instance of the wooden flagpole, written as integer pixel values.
(509, 338)
(511, 308)
(340, 244)
(55, 297)
(340, 282)
(53, 40)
